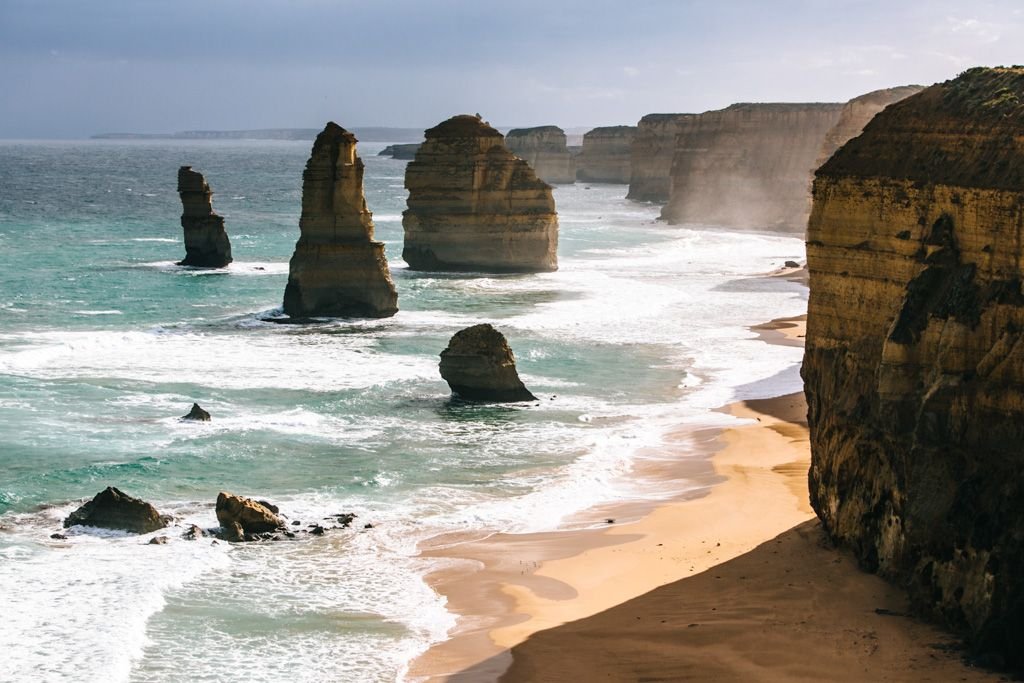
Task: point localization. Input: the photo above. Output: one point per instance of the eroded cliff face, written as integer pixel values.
(606, 155)
(748, 165)
(654, 147)
(337, 270)
(857, 113)
(475, 206)
(544, 148)
(914, 363)
(206, 242)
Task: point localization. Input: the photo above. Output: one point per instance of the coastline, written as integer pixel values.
(751, 486)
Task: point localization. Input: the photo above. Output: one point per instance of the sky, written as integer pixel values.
(70, 68)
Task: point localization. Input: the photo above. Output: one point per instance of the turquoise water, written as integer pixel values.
(104, 342)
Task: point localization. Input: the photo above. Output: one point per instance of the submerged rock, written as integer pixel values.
(337, 270)
(197, 414)
(545, 149)
(479, 366)
(475, 206)
(114, 509)
(251, 516)
(206, 241)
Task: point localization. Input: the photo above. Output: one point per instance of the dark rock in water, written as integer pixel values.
(193, 533)
(197, 414)
(233, 533)
(345, 519)
(158, 540)
(296, 523)
(59, 537)
(792, 264)
(206, 242)
(479, 366)
(317, 530)
(113, 509)
(367, 526)
(251, 515)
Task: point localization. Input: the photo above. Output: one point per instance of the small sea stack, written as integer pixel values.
(606, 155)
(111, 508)
(206, 241)
(403, 152)
(544, 148)
(475, 206)
(197, 414)
(479, 366)
(337, 270)
(251, 516)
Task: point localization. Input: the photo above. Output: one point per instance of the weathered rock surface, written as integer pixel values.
(479, 366)
(337, 270)
(545, 149)
(606, 155)
(197, 414)
(914, 364)
(857, 112)
(651, 155)
(252, 516)
(206, 241)
(749, 165)
(405, 151)
(114, 509)
(475, 206)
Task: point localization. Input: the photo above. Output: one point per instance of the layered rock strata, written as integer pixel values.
(748, 165)
(651, 154)
(479, 366)
(475, 206)
(606, 155)
(111, 508)
(857, 113)
(206, 242)
(914, 364)
(545, 149)
(337, 270)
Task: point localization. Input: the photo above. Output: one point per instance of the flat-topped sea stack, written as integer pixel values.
(607, 155)
(914, 363)
(337, 270)
(206, 241)
(475, 206)
(545, 149)
(479, 366)
(857, 112)
(749, 165)
(654, 147)
(404, 151)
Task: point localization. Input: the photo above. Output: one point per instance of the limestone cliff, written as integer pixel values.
(475, 206)
(914, 364)
(544, 148)
(337, 268)
(206, 242)
(855, 115)
(606, 155)
(654, 146)
(748, 165)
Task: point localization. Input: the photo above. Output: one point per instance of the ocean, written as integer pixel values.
(104, 343)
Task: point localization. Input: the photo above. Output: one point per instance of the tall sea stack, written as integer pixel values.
(475, 206)
(337, 270)
(651, 154)
(206, 242)
(544, 148)
(914, 363)
(606, 155)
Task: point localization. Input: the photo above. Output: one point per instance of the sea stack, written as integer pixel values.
(606, 155)
(206, 242)
(544, 148)
(337, 270)
(111, 508)
(479, 366)
(475, 206)
(914, 363)
(654, 146)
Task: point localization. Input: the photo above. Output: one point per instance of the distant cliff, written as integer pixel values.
(914, 363)
(606, 155)
(651, 154)
(748, 165)
(856, 114)
(544, 148)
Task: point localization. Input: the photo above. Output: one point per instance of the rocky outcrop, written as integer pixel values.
(475, 206)
(914, 364)
(197, 414)
(606, 155)
(206, 242)
(654, 147)
(748, 165)
(252, 516)
(855, 115)
(406, 152)
(114, 509)
(479, 366)
(544, 148)
(337, 270)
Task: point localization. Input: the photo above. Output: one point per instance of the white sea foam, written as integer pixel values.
(166, 240)
(111, 311)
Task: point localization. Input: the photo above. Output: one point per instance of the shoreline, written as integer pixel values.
(750, 485)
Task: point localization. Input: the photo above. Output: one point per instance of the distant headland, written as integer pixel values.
(367, 134)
